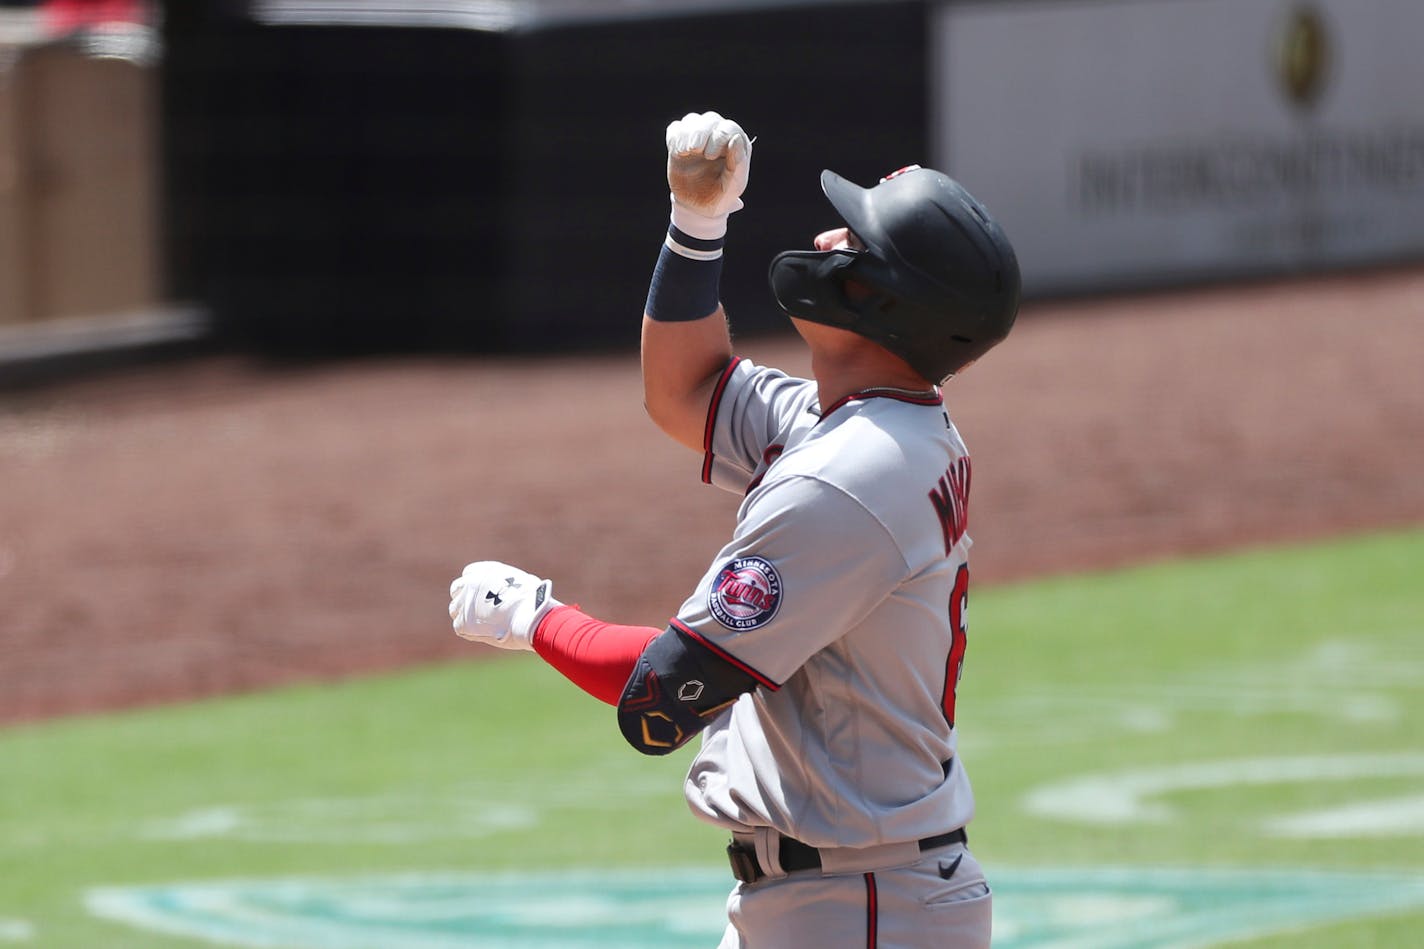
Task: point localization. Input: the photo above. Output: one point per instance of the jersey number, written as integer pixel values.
(959, 629)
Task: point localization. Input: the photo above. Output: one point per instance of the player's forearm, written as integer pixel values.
(685, 338)
(681, 365)
(597, 657)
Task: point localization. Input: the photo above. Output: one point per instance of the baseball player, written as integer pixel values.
(819, 654)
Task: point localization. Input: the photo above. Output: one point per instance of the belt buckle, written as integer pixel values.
(744, 862)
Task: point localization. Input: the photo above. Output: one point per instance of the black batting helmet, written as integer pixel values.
(942, 277)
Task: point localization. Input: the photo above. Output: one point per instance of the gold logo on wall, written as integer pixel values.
(1303, 56)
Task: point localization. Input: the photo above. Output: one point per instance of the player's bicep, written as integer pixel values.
(682, 364)
(681, 682)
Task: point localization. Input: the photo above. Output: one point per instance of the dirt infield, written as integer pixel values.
(215, 525)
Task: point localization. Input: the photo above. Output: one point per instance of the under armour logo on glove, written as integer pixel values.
(510, 583)
(494, 603)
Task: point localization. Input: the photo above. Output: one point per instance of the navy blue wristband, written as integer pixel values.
(687, 279)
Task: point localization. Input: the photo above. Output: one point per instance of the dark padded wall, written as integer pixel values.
(336, 190)
(836, 86)
(345, 190)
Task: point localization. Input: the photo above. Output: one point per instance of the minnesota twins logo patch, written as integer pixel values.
(746, 593)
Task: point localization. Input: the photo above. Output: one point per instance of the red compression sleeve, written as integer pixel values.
(597, 657)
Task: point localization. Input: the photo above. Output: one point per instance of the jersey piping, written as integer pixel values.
(712, 407)
(928, 397)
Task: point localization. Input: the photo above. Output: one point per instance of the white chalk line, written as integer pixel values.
(1335, 680)
(16, 930)
(1384, 818)
(1131, 795)
(466, 811)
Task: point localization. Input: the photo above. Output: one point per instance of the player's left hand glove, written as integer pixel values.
(492, 602)
(709, 161)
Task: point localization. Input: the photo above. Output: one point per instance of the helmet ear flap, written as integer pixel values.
(809, 285)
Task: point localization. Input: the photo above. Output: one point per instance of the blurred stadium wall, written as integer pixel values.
(490, 179)
(345, 176)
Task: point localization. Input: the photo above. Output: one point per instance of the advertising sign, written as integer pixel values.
(1139, 142)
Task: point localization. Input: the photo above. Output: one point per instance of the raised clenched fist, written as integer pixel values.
(709, 161)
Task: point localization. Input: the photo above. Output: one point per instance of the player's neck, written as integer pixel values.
(844, 363)
(837, 378)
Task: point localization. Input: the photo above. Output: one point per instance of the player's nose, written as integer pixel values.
(837, 239)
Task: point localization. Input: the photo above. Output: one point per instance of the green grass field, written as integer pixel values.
(1214, 752)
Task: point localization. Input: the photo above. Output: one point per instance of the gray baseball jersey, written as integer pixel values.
(842, 592)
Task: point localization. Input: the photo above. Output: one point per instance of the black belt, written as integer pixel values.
(798, 856)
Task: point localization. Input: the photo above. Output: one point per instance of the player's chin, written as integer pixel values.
(804, 328)
(824, 333)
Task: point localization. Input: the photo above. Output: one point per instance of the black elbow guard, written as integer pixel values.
(678, 686)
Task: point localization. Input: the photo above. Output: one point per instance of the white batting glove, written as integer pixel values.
(492, 602)
(709, 159)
